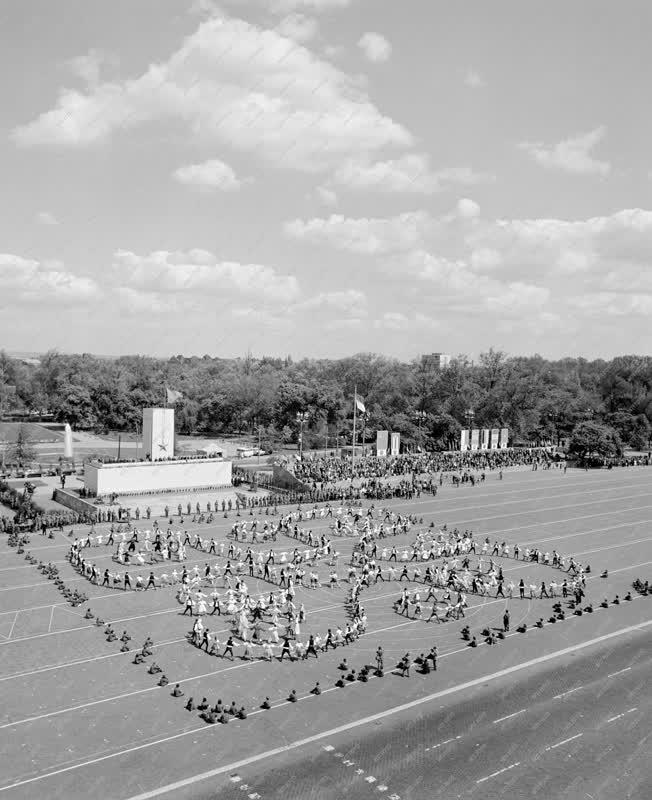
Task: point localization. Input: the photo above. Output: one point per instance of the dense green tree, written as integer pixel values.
(592, 439)
(21, 451)
(539, 400)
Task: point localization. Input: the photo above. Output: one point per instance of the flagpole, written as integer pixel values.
(355, 421)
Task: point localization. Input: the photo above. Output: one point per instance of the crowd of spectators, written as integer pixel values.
(329, 469)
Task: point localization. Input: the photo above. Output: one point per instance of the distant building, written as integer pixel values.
(436, 360)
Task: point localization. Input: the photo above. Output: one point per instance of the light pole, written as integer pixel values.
(259, 437)
(470, 414)
(302, 416)
(421, 417)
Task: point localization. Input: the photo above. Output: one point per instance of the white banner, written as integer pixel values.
(475, 439)
(464, 439)
(504, 437)
(396, 443)
(382, 443)
(495, 438)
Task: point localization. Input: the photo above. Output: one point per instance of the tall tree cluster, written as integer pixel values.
(538, 399)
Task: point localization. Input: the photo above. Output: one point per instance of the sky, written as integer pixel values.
(324, 177)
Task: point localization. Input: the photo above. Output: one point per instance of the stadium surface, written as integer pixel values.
(523, 718)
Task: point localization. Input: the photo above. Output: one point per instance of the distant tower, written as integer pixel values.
(436, 361)
(158, 433)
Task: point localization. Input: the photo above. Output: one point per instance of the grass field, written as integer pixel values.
(79, 719)
(37, 433)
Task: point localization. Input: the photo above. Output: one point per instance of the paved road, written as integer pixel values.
(569, 732)
(80, 717)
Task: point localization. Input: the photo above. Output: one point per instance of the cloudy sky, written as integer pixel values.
(323, 177)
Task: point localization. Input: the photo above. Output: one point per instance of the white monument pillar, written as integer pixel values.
(67, 441)
(158, 433)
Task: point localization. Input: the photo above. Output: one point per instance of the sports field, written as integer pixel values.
(80, 720)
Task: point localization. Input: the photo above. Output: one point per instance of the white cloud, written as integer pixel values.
(28, 281)
(539, 273)
(368, 236)
(136, 301)
(89, 66)
(232, 83)
(571, 155)
(448, 275)
(485, 259)
(200, 272)
(213, 174)
(474, 80)
(346, 324)
(46, 218)
(284, 6)
(347, 301)
(397, 321)
(259, 316)
(393, 321)
(467, 208)
(408, 173)
(327, 196)
(375, 47)
(573, 248)
(518, 296)
(613, 304)
(298, 27)
(333, 51)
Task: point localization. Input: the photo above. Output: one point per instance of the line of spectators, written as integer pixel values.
(327, 469)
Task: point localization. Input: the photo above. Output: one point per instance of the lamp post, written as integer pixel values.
(421, 417)
(470, 414)
(260, 428)
(302, 416)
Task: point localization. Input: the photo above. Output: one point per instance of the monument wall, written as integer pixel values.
(74, 502)
(142, 477)
(158, 433)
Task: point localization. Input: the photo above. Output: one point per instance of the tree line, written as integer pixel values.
(539, 400)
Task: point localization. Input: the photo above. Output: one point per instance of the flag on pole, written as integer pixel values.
(360, 405)
(172, 395)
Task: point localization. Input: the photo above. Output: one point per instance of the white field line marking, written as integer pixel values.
(51, 667)
(176, 609)
(509, 716)
(564, 741)
(74, 663)
(96, 658)
(500, 772)
(152, 688)
(569, 519)
(51, 617)
(441, 744)
(570, 691)
(620, 672)
(400, 502)
(629, 710)
(12, 625)
(465, 508)
(118, 593)
(227, 768)
(279, 548)
(500, 516)
(555, 508)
